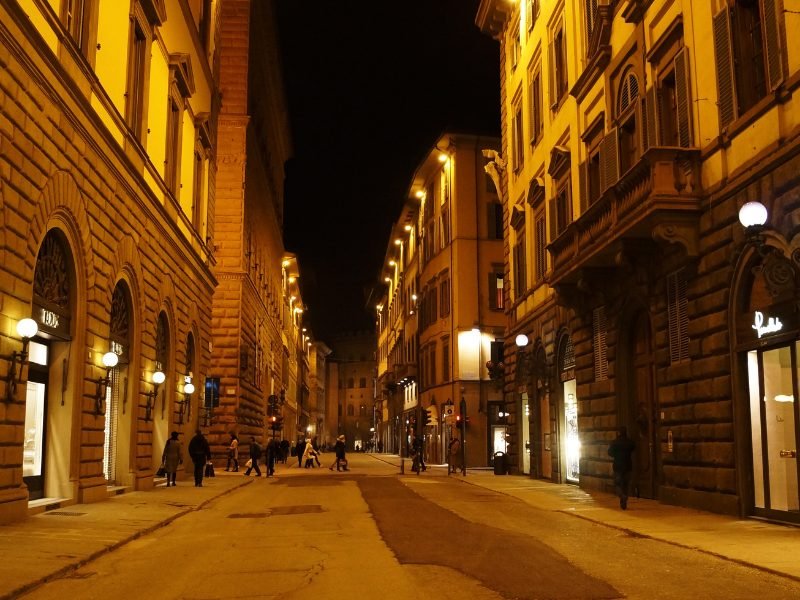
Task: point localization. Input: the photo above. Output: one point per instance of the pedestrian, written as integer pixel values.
(621, 450)
(308, 455)
(418, 453)
(273, 450)
(172, 457)
(454, 454)
(285, 445)
(315, 444)
(233, 454)
(200, 453)
(298, 451)
(380, 446)
(255, 456)
(339, 449)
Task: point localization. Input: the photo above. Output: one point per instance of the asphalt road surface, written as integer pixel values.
(371, 533)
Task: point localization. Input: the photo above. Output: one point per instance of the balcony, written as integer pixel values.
(657, 200)
(405, 371)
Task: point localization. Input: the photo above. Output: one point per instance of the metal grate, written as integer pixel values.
(65, 513)
(296, 510)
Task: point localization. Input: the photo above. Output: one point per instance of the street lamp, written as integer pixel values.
(110, 360)
(158, 379)
(26, 329)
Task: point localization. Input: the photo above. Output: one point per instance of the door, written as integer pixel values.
(773, 413)
(643, 410)
(33, 453)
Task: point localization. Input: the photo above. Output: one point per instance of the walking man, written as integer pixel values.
(200, 452)
(621, 450)
(272, 452)
(255, 455)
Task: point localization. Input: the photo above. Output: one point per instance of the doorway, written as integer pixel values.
(773, 391)
(642, 409)
(34, 449)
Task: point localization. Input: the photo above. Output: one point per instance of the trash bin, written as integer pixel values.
(499, 463)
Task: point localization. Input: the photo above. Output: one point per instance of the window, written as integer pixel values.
(202, 154)
(181, 87)
(445, 359)
(432, 363)
(138, 67)
(444, 226)
(536, 123)
(351, 383)
(591, 19)
(540, 232)
(558, 61)
(496, 351)
(515, 46)
(677, 317)
(520, 279)
(496, 281)
(350, 410)
(747, 44)
(517, 139)
(77, 19)
(495, 220)
(531, 13)
(362, 410)
(444, 301)
(362, 382)
(563, 205)
(668, 107)
(204, 24)
(599, 332)
(593, 175)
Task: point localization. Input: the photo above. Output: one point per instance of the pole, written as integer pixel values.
(463, 408)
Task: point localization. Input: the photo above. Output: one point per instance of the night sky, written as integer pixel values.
(371, 85)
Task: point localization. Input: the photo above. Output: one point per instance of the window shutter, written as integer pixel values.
(677, 317)
(772, 39)
(599, 329)
(552, 72)
(682, 97)
(583, 182)
(609, 160)
(492, 290)
(551, 209)
(568, 204)
(652, 129)
(724, 64)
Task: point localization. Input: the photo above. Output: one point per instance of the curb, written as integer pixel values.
(66, 570)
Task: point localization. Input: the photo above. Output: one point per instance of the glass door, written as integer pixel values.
(774, 429)
(33, 452)
(572, 441)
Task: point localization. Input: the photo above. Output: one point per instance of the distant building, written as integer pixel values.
(441, 320)
(633, 133)
(351, 389)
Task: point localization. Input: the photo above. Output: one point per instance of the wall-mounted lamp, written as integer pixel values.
(398, 241)
(185, 405)
(26, 329)
(443, 157)
(110, 360)
(158, 379)
(753, 217)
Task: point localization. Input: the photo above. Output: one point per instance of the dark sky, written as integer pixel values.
(371, 84)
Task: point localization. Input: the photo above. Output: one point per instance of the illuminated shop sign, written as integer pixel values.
(766, 326)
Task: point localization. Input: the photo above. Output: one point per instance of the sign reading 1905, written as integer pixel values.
(49, 319)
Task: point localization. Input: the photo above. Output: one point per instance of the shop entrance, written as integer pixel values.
(773, 390)
(33, 461)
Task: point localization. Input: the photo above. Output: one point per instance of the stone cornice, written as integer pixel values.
(492, 16)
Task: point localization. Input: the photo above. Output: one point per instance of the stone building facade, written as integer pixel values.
(633, 132)
(106, 193)
(351, 389)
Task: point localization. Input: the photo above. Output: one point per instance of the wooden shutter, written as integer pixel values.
(677, 317)
(492, 290)
(551, 209)
(609, 160)
(552, 71)
(599, 343)
(682, 99)
(652, 128)
(583, 189)
(723, 56)
(772, 42)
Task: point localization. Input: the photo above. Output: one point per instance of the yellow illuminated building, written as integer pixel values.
(441, 319)
(633, 133)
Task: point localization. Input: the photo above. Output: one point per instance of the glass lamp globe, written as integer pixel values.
(110, 360)
(159, 377)
(27, 328)
(753, 214)
(188, 388)
(521, 340)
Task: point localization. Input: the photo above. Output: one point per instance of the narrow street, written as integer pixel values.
(314, 533)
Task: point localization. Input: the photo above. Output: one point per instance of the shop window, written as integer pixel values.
(599, 343)
(677, 316)
(747, 49)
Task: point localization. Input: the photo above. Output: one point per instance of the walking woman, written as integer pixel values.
(233, 454)
(172, 457)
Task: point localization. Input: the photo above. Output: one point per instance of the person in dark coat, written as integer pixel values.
(255, 456)
(285, 445)
(273, 450)
(172, 457)
(341, 460)
(298, 451)
(621, 450)
(200, 452)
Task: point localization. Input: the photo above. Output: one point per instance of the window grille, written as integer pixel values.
(678, 317)
(599, 330)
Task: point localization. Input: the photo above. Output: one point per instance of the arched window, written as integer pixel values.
(628, 113)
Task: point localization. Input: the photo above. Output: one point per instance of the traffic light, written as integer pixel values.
(458, 420)
(426, 417)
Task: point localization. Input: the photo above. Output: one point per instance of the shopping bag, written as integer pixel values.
(249, 463)
(209, 469)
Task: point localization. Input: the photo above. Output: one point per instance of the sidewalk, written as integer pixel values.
(53, 543)
(766, 546)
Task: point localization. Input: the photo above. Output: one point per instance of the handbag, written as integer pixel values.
(162, 471)
(209, 469)
(249, 463)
